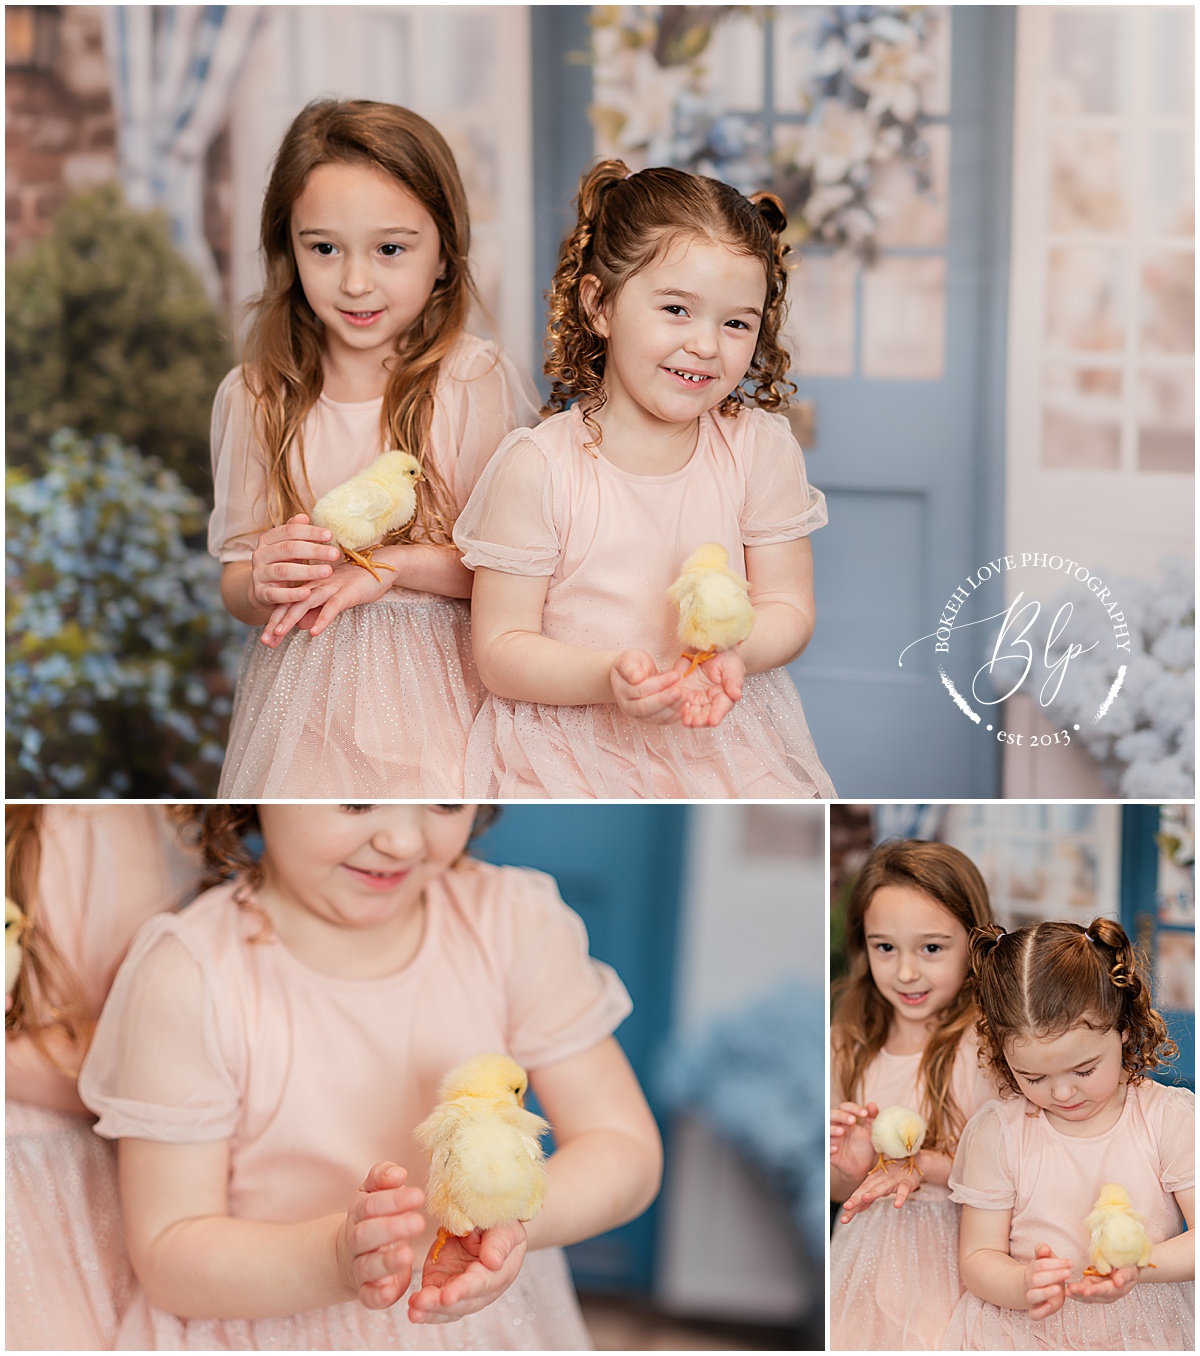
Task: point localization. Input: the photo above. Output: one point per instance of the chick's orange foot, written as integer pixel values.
(443, 1237)
(364, 559)
(702, 657)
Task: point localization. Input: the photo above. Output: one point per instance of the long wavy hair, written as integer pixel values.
(627, 221)
(48, 995)
(224, 835)
(1046, 978)
(861, 1014)
(282, 363)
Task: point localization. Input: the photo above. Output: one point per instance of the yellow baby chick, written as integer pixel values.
(361, 511)
(897, 1132)
(486, 1159)
(1119, 1238)
(14, 929)
(713, 602)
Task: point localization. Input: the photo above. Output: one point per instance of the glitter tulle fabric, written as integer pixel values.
(1149, 1318)
(66, 1277)
(523, 750)
(538, 1312)
(377, 706)
(878, 1299)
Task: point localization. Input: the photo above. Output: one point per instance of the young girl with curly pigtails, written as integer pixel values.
(1067, 1024)
(664, 325)
(902, 1035)
(363, 683)
(79, 882)
(266, 1057)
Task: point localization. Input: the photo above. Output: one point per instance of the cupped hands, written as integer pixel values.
(469, 1274)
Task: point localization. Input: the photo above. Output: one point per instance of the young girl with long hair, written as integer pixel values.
(265, 1057)
(902, 1034)
(361, 682)
(84, 879)
(1067, 1024)
(664, 324)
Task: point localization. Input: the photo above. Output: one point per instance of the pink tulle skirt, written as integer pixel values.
(67, 1279)
(761, 750)
(538, 1312)
(893, 1276)
(377, 706)
(1149, 1318)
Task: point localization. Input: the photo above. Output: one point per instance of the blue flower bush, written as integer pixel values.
(121, 658)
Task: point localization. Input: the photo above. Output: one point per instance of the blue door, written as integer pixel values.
(913, 469)
(618, 867)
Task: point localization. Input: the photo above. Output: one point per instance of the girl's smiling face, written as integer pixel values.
(355, 867)
(681, 334)
(1075, 1077)
(918, 956)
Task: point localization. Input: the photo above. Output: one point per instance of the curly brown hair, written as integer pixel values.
(221, 833)
(625, 222)
(284, 348)
(861, 1014)
(1046, 978)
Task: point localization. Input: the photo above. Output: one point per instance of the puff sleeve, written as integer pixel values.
(239, 511)
(1177, 1139)
(158, 1067)
(780, 503)
(480, 399)
(510, 521)
(561, 1001)
(982, 1173)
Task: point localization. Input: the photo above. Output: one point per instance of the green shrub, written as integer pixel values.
(109, 330)
(120, 657)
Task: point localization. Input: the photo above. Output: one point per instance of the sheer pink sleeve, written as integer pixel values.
(158, 1068)
(561, 1001)
(480, 400)
(239, 514)
(982, 1175)
(780, 503)
(1177, 1139)
(510, 521)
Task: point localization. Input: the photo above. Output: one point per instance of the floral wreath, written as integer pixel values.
(861, 94)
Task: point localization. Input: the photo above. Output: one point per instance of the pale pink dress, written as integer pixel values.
(379, 704)
(893, 1274)
(1012, 1158)
(611, 543)
(104, 871)
(312, 1079)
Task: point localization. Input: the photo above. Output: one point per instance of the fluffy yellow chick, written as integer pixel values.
(14, 928)
(713, 602)
(897, 1132)
(486, 1159)
(361, 511)
(1118, 1236)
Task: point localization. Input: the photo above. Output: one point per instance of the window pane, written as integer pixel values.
(909, 217)
(1088, 181)
(820, 325)
(1087, 73)
(1081, 418)
(1172, 68)
(1168, 302)
(1166, 420)
(1085, 299)
(1170, 183)
(904, 319)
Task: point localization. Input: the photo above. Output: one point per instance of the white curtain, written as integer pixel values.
(174, 68)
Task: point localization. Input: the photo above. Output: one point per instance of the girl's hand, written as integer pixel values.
(850, 1148)
(288, 558)
(469, 1274)
(711, 689)
(374, 1247)
(1105, 1289)
(348, 586)
(642, 692)
(896, 1179)
(1045, 1282)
